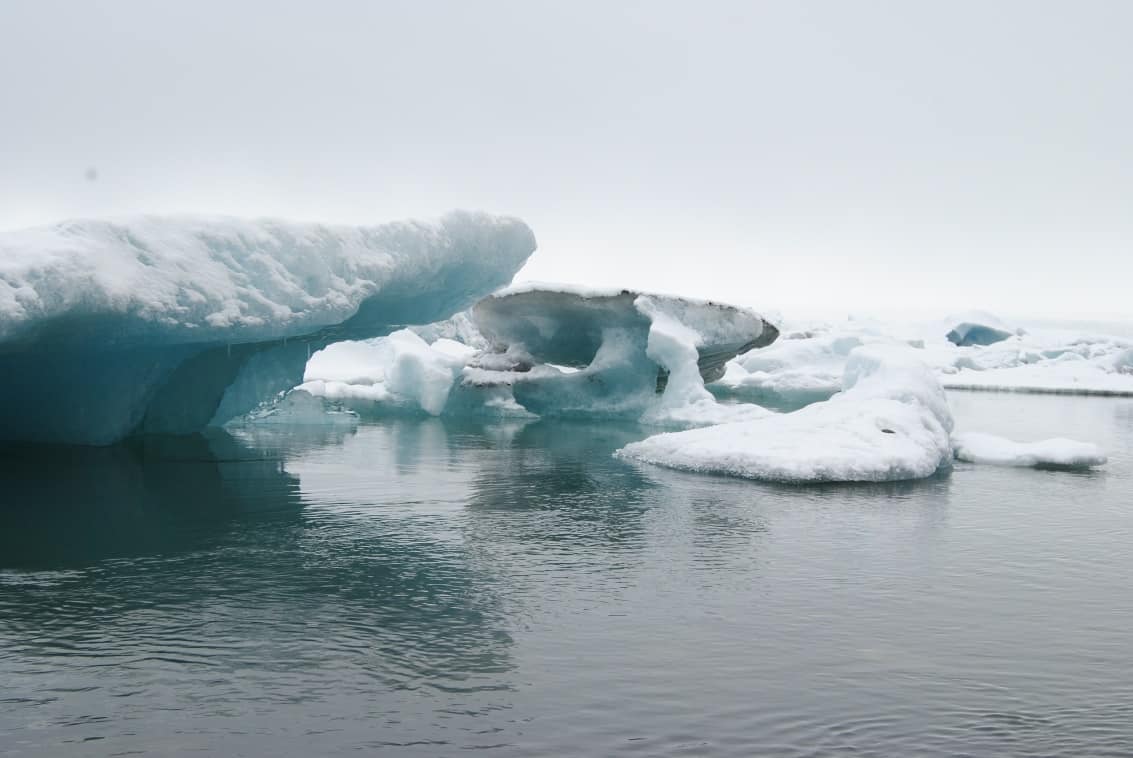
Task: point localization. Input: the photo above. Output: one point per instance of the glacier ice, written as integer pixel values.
(890, 422)
(1058, 453)
(553, 351)
(624, 353)
(173, 324)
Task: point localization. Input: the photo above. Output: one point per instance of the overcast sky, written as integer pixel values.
(852, 155)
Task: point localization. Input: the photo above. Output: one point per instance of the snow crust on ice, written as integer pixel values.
(889, 422)
(792, 372)
(977, 447)
(172, 324)
(185, 279)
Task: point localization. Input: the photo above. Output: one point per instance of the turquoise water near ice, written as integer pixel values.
(419, 587)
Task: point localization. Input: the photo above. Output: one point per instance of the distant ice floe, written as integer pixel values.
(805, 365)
(977, 329)
(977, 447)
(174, 324)
(889, 422)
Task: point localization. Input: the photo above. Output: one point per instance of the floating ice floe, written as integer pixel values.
(890, 422)
(170, 325)
(977, 447)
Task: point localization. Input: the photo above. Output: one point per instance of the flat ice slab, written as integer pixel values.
(977, 447)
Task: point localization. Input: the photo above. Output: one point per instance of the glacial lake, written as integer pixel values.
(426, 587)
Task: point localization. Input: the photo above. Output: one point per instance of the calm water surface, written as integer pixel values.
(423, 588)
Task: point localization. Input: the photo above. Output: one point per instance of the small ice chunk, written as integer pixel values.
(400, 370)
(977, 328)
(978, 447)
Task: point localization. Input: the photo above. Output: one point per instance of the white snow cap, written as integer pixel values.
(890, 422)
(190, 279)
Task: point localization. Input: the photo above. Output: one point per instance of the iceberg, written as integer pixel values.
(174, 324)
(575, 352)
(552, 351)
(1057, 453)
(977, 329)
(890, 422)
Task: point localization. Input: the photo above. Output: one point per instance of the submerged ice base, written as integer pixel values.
(171, 325)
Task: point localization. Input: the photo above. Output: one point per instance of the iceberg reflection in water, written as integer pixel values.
(425, 585)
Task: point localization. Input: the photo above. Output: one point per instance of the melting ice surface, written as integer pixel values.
(171, 325)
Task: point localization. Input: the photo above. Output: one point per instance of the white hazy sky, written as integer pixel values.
(871, 154)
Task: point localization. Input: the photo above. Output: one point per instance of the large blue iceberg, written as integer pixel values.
(173, 324)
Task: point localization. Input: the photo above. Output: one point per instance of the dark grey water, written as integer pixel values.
(422, 588)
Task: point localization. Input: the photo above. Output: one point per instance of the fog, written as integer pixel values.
(790, 155)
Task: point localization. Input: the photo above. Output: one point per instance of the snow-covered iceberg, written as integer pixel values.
(890, 422)
(1057, 453)
(171, 324)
